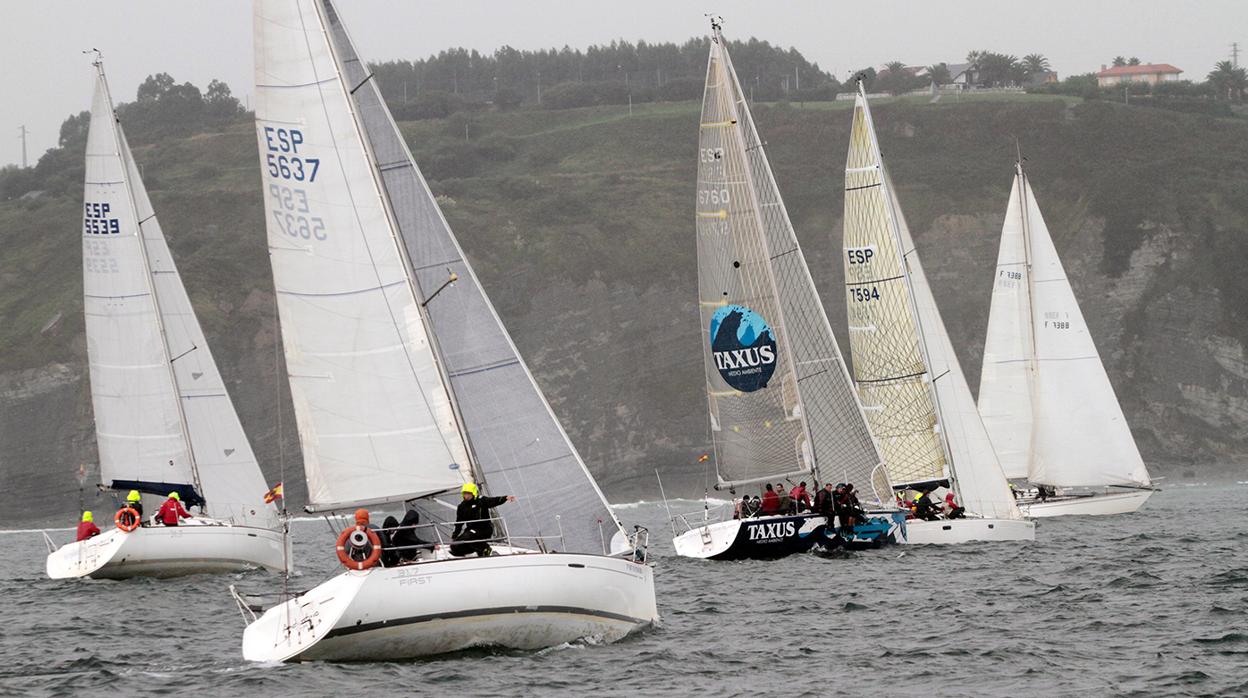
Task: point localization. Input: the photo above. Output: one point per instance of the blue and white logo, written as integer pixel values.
(743, 348)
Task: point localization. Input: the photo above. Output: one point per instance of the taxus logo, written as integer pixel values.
(772, 531)
(742, 347)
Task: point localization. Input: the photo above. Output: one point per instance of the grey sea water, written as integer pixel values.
(1152, 603)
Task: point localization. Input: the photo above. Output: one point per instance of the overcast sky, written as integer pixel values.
(44, 77)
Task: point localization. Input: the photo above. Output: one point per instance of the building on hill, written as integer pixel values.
(1047, 77)
(964, 75)
(1151, 73)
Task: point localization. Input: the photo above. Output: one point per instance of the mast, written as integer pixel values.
(123, 154)
(1033, 366)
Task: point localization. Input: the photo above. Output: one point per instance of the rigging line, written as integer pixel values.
(891, 378)
(362, 82)
(193, 348)
(865, 186)
(875, 281)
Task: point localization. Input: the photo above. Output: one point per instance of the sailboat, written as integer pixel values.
(163, 420)
(1044, 395)
(782, 405)
(407, 386)
(912, 388)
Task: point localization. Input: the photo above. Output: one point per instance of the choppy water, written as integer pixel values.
(1152, 603)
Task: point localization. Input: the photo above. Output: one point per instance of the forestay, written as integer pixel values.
(1080, 435)
(162, 411)
(780, 396)
(375, 421)
(517, 444)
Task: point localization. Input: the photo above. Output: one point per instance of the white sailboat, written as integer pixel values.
(782, 404)
(406, 385)
(913, 390)
(1043, 392)
(163, 419)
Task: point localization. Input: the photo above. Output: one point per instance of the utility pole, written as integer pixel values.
(797, 80)
(23, 137)
(1235, 54)
(539, 87)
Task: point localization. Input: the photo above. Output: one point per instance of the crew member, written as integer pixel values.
(800, 497)
(771, 501)
(134, 500)
(824, 504)
(952, 510)
(172, 511)
(86, 527)
(924, 509)
(472, 522)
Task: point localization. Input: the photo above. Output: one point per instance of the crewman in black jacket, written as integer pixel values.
(472, 522)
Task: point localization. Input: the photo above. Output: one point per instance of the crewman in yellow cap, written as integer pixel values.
(87, 528)
(134, 500)
(172, 511)
(473, 527)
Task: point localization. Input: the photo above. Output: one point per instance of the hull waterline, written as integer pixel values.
(157, 551)
(519, 601)
(1092, 505)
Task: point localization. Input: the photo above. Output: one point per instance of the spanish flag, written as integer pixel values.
(704, 457)
(274, 494)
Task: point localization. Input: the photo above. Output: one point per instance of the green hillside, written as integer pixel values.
(579, 223)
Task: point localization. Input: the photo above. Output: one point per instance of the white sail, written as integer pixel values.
(138, 422)
(1081, 435)
(162, 411)
(912, 384)
(375, 420)
(1005, 383)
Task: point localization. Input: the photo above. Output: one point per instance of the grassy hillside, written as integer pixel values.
(579, 224)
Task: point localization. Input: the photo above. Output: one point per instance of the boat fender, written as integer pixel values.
(355, 538)
(127, 519)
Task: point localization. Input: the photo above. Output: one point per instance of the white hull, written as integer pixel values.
(952, 531)
(521, 601)
(1093, 505)
(196, 546)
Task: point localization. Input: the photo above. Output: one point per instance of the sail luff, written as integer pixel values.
(140, 425)
(520, 445)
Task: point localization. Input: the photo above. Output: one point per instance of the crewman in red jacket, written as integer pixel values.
(171, 511)
(87, 528)
(771, 501)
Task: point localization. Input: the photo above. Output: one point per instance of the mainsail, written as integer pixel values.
(1042, 369)
(161, 409)
(428, 388)
(911, 383)
(781, 400)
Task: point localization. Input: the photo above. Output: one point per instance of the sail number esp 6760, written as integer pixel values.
(285, 162)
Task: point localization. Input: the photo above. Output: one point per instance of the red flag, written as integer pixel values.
(704, 457)
(274, 494)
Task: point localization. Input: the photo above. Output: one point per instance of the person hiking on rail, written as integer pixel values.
(472, 522)
(87, 528)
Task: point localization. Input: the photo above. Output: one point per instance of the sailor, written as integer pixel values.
(771, 501)
(824, 504)
(786, 504)
(1013, 490)
(405, 540)
(87, 528)
(134, 500)
(472, 522)
(389, 556)
(171, 511)
(800, 497)
(952, 510)
(923, 507)
(751, 506)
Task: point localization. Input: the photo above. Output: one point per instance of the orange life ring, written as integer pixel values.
(127, 519)
(373, 540)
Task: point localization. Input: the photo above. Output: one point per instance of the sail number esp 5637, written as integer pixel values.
(291, 212)
(283, 159)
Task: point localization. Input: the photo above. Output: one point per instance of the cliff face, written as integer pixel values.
(579, 223)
